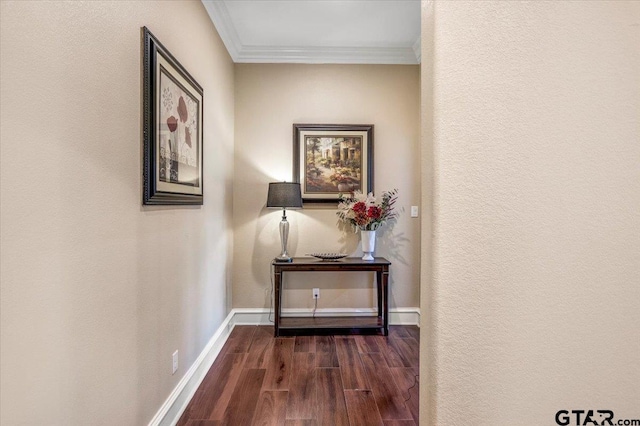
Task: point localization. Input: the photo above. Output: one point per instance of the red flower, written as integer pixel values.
(361, 218)
(172, 123)
(182, 110)
(360, 207)
(374, 212)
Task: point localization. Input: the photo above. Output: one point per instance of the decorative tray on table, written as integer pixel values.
(328, 256)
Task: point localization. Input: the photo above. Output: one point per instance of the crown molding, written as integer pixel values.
(240, 53)
(221, 19)
(326, 55)
(417, 49)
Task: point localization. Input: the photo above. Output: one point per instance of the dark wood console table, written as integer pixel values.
(337, 325)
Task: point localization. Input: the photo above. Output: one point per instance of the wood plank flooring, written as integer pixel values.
(310, 380)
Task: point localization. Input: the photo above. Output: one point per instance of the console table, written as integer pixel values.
(338, 325)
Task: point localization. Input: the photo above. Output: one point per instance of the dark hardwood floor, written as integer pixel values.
(310, 380)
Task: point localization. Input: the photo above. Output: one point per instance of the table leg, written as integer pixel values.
(379, 285)
(385, 291)
(277, 283)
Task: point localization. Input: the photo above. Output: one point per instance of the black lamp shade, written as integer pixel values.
(284, 194)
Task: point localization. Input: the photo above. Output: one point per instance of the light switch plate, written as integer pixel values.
(414, 211)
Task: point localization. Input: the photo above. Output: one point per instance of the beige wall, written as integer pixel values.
(98, 291)
(269, 99)
(536, 210)
(428, 324)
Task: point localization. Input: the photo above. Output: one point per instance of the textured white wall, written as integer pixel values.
(98, 291)
(536, 251)
(428, 341)
(269, 99)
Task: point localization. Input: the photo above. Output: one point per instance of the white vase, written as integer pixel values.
(368, 244)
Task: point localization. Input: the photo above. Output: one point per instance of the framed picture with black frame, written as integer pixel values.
(332, 159)
(172, 129)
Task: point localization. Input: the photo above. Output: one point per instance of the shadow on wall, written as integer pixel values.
(267, 245)
(391, 243)
(262, 220)
(349, 240)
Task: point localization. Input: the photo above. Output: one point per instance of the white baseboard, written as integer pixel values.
(260, 316)
(177, 402)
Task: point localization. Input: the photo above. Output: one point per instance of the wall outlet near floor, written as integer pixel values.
(414, 211)
(316, 293)
(175, 362)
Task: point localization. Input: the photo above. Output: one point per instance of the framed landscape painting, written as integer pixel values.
(332, 159)
(172, 129)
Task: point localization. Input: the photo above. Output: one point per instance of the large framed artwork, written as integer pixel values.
(172, 129)
(332, 159)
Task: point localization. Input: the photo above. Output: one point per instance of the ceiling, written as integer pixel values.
(319, 31)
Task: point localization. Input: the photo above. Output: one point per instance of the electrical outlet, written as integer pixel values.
(316, 293)
(175, 362)
(414, 211)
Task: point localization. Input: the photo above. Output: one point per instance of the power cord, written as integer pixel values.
(313, 315)
(271, 270)
(415, 382)
(271, 298)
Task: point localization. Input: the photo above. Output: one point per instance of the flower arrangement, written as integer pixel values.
(364, 213)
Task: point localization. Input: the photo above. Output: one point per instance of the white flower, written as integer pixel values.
(359, 196)
(371, 200)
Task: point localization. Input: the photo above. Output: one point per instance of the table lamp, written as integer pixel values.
(284, 195)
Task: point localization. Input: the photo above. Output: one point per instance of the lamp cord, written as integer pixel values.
(415, 382)
(271, 270)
